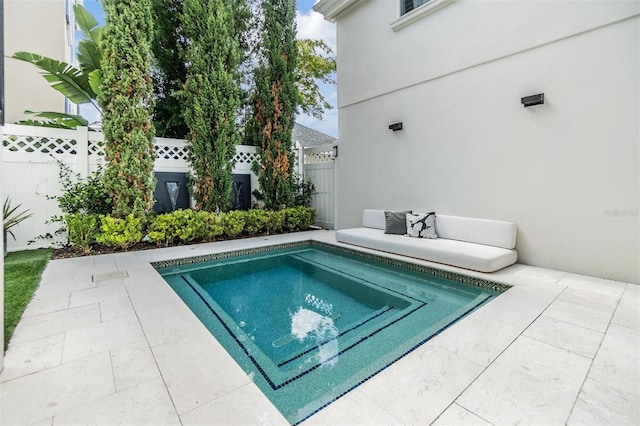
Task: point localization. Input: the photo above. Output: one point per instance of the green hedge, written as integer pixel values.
(183, 226)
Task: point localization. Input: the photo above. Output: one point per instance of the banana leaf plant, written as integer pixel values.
(10, 218)
(81, 85)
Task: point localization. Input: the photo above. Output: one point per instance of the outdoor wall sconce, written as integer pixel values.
(528, 101)
(395, 126)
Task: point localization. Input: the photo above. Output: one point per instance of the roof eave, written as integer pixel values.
(330, 9)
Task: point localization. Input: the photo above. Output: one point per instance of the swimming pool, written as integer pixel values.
(309, 322)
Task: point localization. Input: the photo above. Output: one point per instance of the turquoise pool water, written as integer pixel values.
(309, 323)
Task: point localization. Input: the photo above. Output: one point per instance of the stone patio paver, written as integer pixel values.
(557, 348)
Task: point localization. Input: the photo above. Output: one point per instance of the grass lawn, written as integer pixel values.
(22, 272)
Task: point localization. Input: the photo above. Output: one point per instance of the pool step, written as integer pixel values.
(281, 341)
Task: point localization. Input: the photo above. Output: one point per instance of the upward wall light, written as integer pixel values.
(528, 101)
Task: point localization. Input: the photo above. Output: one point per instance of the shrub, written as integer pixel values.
(298, 218)
(303, 191)
(232, 223)
(179, 225)
(121, 233)
(212, 225)
(83, 230)
(87, 196)
(256, 221)
(275, 221)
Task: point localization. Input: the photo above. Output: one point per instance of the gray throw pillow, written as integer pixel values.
(396, 222)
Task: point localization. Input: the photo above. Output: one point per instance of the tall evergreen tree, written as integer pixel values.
(212, 98)
(170, 70)
(275, 103)
(126, 99)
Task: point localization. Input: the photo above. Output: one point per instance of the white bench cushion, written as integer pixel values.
(478, 257)
(482, 231)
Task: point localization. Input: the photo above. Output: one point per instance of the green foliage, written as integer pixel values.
(274, 103)
(57, 120)
(118, 232)
(182, 226)
(211, 98)
(126, 100)
(170, 71)
(65, 78)
(179, 225)
(89, 54)
(22, 272)
(212, 225)
(298, 218)
(84, 196)
(275, 221)
(303, 191)
(256, 221)
(232, 223)
(73, 82)
(11, 218)
(316, 63)
(83, 230)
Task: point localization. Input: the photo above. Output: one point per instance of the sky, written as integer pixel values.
(310, 25)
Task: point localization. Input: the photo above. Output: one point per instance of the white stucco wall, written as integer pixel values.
(36, 26)
(566, 172)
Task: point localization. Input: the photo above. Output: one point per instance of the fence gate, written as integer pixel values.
(319, 166)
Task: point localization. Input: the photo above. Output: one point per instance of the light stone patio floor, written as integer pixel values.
(557, 348)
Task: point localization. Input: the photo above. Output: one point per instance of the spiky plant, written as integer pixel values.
(10, 218)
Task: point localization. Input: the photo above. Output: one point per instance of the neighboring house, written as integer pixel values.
(45, 27)
(453, 73)
(309, 138)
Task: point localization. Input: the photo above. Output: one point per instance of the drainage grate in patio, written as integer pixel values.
(109, 276)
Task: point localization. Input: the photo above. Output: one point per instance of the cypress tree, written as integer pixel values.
(212, 98)
(127, 103)
(275, 103)
(170, 70)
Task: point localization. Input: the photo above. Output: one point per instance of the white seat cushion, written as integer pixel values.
(478, 257)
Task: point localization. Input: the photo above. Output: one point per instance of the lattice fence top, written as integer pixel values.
(319, 157)
(35, 144)
(244, 157)
(96, 148)
(169, 152)
(54, 141)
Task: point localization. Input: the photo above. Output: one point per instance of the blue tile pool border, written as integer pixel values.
(454, 276)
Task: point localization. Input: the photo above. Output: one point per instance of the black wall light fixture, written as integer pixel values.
(395, 126)
(528, 101)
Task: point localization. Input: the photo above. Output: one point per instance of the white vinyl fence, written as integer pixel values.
(30, 172)
(319, 166)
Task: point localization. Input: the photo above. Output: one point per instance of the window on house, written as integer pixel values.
(408, 5)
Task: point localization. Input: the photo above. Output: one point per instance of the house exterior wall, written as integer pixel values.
(37, 26)
(566, 172)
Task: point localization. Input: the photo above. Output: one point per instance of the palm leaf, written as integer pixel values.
(87, 23)
(67, 120)
(63, 77)
(88, 56)
(95, 80)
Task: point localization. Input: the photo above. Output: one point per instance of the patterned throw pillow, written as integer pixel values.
(421, 225)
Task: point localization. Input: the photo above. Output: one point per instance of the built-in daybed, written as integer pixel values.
(478, 244)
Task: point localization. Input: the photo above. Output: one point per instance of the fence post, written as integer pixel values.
(82, 151)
